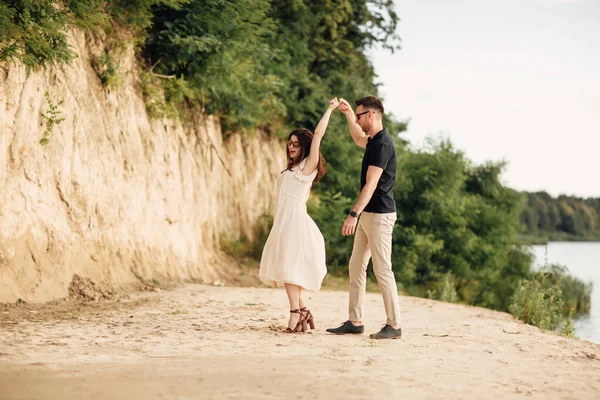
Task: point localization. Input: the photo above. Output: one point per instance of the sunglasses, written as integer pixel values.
(362, 113)
(294, 145)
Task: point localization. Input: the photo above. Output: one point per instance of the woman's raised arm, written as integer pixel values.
(313, 158)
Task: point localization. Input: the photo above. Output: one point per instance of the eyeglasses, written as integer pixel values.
(362, 113)
(295, 145)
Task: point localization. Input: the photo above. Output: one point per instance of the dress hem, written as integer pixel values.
(280, 284)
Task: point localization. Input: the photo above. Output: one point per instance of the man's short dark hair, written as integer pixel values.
(371, 103)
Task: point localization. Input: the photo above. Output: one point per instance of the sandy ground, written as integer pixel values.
(210, 342)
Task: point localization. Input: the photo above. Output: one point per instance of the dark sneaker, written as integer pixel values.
(387, 332)
(347, 328)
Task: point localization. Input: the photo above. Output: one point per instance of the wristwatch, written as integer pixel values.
(353, 214)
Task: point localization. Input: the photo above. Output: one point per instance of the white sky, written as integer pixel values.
(514, 80)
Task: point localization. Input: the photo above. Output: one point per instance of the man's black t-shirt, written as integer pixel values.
(381, 152)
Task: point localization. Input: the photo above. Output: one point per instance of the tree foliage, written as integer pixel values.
(544, 217)
(220, 48)
(35, 31)
(276, 63)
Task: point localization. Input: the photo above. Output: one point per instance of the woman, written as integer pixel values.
(294, 253)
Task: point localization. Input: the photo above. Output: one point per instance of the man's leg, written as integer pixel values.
(381, 250)
(357, 271)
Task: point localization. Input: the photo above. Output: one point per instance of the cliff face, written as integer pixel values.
(114, 195)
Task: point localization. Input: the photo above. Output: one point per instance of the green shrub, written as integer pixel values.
(576, 294)
(540, 304)
(107, 70)
(447, 293)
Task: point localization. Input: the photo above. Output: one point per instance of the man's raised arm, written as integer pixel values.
(358, 135)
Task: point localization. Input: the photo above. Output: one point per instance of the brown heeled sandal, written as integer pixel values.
(299, 328)
(308, 318)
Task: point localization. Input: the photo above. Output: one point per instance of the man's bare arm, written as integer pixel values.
(373, 175)
(359, 137)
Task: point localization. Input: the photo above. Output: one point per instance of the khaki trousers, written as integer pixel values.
(373, 238)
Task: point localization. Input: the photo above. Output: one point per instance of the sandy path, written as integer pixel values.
(205, 342)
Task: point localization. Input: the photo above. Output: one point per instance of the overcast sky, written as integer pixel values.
(513, 80)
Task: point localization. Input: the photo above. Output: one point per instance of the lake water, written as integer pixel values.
(583, 261)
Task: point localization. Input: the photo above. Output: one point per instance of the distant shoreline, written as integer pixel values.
(532, 240)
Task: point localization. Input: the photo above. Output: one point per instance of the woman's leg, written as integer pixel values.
(306, 314)
(293, 293)
(301, 301)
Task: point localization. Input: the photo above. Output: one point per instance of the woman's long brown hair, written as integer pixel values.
(305, 138)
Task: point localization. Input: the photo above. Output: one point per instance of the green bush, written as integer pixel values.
(576, 294)
(537, 303)
(107, 70)
(548, 296)
(447, 293)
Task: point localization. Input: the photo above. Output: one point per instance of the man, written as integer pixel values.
(377, 210)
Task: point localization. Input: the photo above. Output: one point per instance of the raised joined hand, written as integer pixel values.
(345, 107)
(334, 103)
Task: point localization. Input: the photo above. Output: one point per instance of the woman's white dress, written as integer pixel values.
(295, 249)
